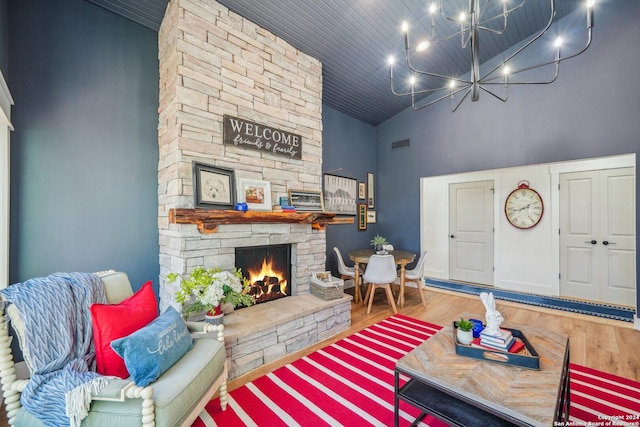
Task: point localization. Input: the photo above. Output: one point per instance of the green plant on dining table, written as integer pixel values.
(206, 288)
(378, 241)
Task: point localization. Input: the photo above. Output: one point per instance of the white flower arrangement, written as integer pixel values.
(205, 289)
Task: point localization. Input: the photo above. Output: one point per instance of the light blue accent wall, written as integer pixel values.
(84, 151)
(348, 149)
(592, 110)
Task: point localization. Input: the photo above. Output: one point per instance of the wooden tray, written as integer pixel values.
(527, 358)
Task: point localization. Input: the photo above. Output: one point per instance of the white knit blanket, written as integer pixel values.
(59, 341)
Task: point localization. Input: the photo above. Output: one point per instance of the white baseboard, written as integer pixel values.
(636, 322)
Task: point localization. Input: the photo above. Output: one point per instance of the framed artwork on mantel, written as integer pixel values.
(307, 200)
(255, 193)
(213, 187)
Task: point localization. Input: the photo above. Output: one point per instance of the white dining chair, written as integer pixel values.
(345, 271)
(415, 276)
(380, 273)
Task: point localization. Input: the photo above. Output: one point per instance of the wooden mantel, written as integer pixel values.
(208, 220)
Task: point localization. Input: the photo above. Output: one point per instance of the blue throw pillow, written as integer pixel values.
(152, 350)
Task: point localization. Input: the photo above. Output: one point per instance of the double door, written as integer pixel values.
(597, 235)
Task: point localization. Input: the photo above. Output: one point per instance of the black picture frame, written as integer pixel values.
(362, 216)
(306, 200)
(370, 191)
(340, 194)
(213, 187)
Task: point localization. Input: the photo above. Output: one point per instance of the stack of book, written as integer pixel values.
(283, 208)
(502, 341)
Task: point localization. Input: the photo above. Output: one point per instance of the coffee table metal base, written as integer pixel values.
(442, 406)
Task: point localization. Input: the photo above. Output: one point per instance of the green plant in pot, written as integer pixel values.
(207, 289)
(378, 243)
(464, 331)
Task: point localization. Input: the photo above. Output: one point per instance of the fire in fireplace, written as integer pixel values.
(267, 269)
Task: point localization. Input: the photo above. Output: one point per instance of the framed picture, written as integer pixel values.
(371, 217)
(362, 191)
(362, 216)
(340, 194)
(255, 193)
(213, 188)
(306, 200)
(370, 191)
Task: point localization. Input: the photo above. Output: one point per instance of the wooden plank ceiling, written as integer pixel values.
(353, 39)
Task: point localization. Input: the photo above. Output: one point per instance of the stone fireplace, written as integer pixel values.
(213, 63)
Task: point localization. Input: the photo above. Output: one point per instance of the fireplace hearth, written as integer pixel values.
(267, 270)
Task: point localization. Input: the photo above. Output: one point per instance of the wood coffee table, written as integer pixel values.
(464, 391)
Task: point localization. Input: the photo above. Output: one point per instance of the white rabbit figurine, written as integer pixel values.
(493, 317)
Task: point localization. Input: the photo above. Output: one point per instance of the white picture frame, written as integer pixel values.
(255, 193)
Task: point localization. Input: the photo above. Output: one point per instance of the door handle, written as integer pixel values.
(608, 243)
(452, 236)
(593, 242)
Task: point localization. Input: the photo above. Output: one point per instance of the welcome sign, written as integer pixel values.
(243, 133)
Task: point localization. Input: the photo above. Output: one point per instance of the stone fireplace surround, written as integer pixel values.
(215, 62)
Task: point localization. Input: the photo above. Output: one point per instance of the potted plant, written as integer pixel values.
(464, 331)
(206, 289)
(378, 243)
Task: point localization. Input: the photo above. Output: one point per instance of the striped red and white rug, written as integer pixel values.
(350, 383)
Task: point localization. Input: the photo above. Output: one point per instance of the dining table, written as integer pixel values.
(361, 256)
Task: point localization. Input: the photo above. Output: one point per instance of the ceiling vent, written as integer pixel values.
(400, 144)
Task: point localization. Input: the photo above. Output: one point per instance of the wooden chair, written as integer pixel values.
(380, 273)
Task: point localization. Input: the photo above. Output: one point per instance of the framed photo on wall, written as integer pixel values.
(371, 217)
(213, 187)
(362, 216)
(255, 193)
(307, 200)
(370, 191)
(340, 194)
(362, 191)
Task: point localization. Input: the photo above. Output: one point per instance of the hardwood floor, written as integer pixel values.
(606, 345)
(603, 344)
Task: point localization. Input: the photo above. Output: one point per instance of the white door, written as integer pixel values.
(597, 235)
(471, 232)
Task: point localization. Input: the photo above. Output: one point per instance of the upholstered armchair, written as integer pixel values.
(175, 398)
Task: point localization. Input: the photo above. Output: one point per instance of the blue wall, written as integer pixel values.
(592, 110)
(347, 144)
(4, 38)
(84, 151)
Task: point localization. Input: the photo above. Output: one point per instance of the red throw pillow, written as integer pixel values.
(113, 321)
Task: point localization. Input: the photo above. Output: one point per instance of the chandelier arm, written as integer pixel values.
(504, 14)
(529, 43)
(420, 107)
(422, 91)
(544, 82)
(496, 96)
(453, 110)
(491, 30)
(533, 67)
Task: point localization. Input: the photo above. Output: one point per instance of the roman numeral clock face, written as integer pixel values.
(524, 207)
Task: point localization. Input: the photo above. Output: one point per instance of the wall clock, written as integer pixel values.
(524, 207)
